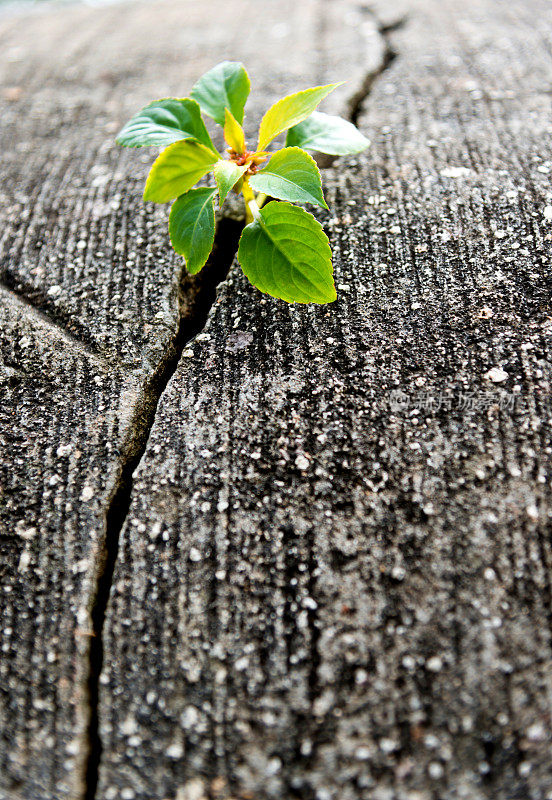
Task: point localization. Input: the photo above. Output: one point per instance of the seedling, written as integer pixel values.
(283, 249)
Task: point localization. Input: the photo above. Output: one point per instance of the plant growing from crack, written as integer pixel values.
(283, 249)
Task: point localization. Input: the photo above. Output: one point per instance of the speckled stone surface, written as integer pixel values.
(334, 579)
(89, 309)
(64, 416)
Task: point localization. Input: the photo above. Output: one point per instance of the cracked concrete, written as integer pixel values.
(313, 594)
(94, 318)
(355, 594)
(196, 297)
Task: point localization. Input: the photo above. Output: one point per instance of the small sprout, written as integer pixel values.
(283, 249)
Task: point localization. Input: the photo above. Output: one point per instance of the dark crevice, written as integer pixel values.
(312, 617)
(197, 295)
(38, 304)
(356, 101)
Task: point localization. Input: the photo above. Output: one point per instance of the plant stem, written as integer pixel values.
(251, 207)
(261, 199)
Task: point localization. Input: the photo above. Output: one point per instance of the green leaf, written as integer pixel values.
(285, 253)
(177, 169)
(225, 86)
(233, 132)
(290, 111)
(165, 122)
(192, 226)
(326, 134)
(291, 174)
(227, 174)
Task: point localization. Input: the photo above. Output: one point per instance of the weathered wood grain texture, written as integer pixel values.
(319, 594)
(90, 313)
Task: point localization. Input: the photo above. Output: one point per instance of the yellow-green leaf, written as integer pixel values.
(225, 86)
(291, 174)
(285, 253)
(227, 174)
(177, 169)
(164, 122)
(326, 134)
(192, 226)
(233, 132)
(290, 111)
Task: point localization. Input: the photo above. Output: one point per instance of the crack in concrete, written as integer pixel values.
(356, 101)
(197, 296)
(41, 317)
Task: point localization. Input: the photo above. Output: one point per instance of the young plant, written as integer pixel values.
(283, 249)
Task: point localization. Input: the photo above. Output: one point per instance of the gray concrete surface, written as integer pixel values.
(322, 588)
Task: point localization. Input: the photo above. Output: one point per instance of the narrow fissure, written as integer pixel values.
(197, 295)
(356, 101)
(36, 304)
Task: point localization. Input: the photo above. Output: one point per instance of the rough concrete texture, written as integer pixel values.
(65, 416)
(325, 590)
(89, 303)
